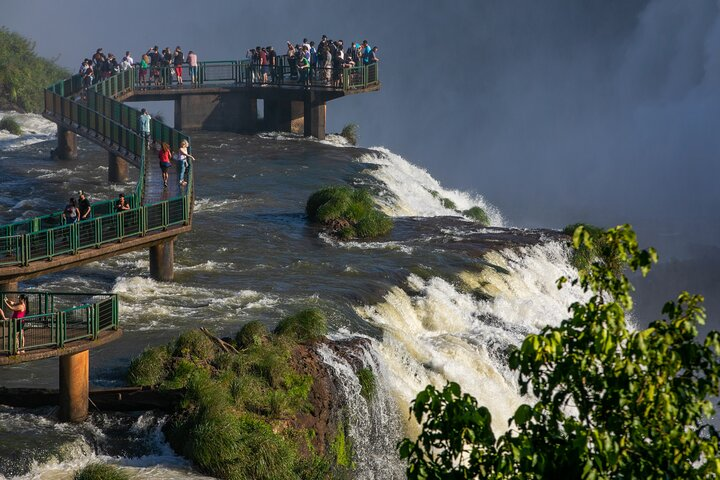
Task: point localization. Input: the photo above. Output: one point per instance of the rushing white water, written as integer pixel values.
(140, 450)
(35, 129)
(441, 332)
(373, 423)
(414, 192)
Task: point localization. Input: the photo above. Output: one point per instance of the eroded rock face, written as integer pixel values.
(327, 404)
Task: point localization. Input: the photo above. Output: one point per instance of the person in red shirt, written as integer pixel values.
(165, 155)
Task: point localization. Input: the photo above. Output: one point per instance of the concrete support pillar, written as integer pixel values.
(117, 169)
(74, 386)
(178, 113)
(162, 257)
(217, 112)
(314, 112)
(67, 145)
(9, 287)
(297, 117)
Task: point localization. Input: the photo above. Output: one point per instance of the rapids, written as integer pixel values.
(440, 298)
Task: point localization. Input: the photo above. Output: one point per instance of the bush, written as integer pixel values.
(583, 256)
(348, 212)
(478, 215)
(350, 132)
(101, 471)
(252, 333)
(195, 346)
(306, 326)
(150, 368)
(367, 383)
(11, 125)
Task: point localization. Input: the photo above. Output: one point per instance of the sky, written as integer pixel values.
(556, 111)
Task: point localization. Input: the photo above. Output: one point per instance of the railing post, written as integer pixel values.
(62, 328)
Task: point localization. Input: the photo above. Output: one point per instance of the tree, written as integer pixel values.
(612, 402)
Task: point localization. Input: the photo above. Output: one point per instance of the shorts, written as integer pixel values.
(165, 166)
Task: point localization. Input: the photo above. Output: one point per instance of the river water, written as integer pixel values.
(440, 298)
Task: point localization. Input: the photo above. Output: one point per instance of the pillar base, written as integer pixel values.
(9, 287)
(67, 145)
(74, 387)
(162, 257)
(117, 169)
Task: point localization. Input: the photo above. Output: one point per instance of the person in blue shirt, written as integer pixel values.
(366, 52)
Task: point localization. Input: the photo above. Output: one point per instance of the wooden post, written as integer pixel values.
(74, 386)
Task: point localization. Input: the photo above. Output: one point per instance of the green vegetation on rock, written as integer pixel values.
(447, 203)
(100, 471)
(23, 75)
(235, 418)
(252, 333)
(350, 132)
(306, 326)
(478, 215)
(11, 125)
(348, 212)
(598, 249)
(367, 383)
(610, 400)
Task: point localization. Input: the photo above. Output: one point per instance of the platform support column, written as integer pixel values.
(161, 261)
(9, 287)
(314, 113)
(117, 169)
(67, 145)
(74, 386)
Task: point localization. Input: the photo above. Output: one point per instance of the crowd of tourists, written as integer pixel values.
(158, 68)
(310, 64)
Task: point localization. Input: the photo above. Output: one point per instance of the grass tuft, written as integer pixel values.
(348, 212)
(150, 368)
(252, 333)
(306, 326)
(478, 215)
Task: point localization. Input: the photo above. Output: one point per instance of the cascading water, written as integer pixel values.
(440, 299)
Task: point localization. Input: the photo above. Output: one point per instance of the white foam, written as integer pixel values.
(411, 190)
(204, 205)
(440, 332)
(35, 129)
(352, 244)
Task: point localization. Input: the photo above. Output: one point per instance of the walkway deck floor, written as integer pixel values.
(154, 189)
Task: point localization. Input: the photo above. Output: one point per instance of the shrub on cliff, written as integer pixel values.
(598, 249)
(23, 75)
(305, 326)
(348, 212)
(150, 368)
(350, 132)
(11, 125)
(252, 333)
(478, 215)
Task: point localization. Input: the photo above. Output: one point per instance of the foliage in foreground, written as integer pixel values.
(348, 212)
(101, 471)
(23, 75)
(611, 402)
(350, 132)
(11, 125)
(235, 418)
(598, 249)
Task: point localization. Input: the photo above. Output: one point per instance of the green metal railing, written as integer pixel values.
(243, 72)
(114, 125)
(53, 320)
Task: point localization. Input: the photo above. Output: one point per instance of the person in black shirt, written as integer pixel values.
(121, 205)
(84, 206)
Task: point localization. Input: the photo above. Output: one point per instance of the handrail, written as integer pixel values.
(111, 123)
(53, 320)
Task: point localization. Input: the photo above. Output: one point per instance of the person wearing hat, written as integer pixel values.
(84, 206)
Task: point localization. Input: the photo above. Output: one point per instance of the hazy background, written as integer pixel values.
(556, 111)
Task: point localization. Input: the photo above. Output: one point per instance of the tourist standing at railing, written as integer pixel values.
(71, 213)
(366, 53)
(272, 63)
(19, 310)
(121, 205)
(304, 68)
(313, 60)
(88, 74)
(292, 61)
(264, 69)
(84, 206)
(143, 72)
(154, 56)
(164, 156)
(373, 56)
(178, 60)
(144, 120)
(182, 156)
(168, 71)
(127, 61)
(192, 61)
(98, 59)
